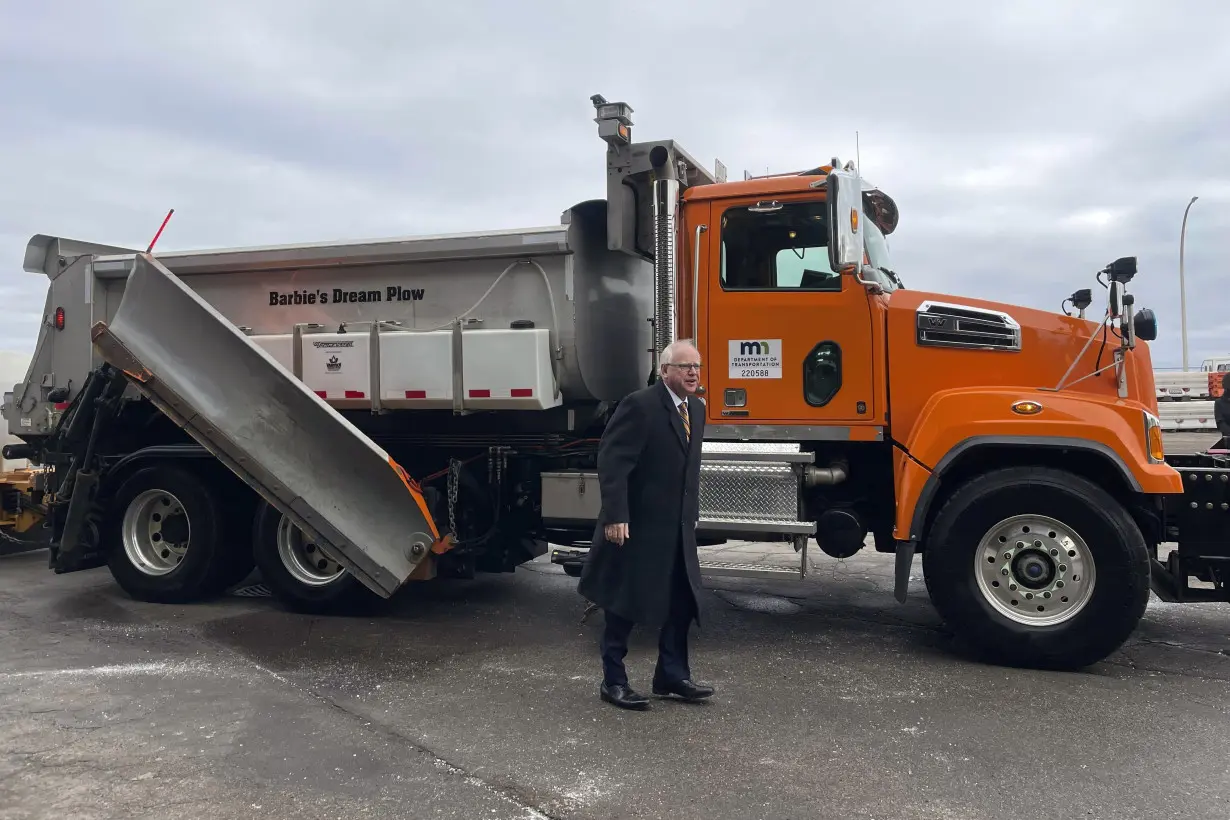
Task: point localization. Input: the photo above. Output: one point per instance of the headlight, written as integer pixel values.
(1154, 445)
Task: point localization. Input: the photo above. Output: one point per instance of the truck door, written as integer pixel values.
(788, 340)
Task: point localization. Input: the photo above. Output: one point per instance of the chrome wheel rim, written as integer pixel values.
(1035, 570)
(156, 532)
(307, 563)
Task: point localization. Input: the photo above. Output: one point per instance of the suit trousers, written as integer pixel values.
(672, 637)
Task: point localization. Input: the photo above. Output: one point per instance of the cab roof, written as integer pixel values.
(785, 184)
(880, 206)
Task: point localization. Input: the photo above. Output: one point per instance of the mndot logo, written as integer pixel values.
(755, 359)
(754, 348)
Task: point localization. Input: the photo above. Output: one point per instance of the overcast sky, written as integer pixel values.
(1027, 143)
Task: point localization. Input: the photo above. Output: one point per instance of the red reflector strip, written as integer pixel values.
(355, 394)
(416, 394)
(522, 392)
(322, 394)
(480, 394)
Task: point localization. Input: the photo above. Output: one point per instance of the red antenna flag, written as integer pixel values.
(154, 241)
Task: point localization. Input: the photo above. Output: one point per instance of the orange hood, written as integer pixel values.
(1027, 349)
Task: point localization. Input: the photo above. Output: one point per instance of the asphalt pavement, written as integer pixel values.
(479, 698)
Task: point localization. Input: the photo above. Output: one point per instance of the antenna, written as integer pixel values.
(858, 159)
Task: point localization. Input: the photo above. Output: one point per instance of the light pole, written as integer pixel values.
(1182, 284)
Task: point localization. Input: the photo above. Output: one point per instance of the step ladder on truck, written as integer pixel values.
(354, 416)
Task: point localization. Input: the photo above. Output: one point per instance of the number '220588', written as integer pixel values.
(754, 373)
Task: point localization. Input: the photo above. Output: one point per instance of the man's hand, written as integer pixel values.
(616, 533)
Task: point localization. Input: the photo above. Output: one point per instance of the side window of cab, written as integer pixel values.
(777, 246)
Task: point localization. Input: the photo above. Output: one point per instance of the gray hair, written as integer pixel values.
(667, 356)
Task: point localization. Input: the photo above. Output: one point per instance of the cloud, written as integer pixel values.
(1027, 143)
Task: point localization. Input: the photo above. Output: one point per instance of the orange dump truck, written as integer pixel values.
(351, 417)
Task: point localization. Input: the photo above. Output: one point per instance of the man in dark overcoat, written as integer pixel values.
(642, 566)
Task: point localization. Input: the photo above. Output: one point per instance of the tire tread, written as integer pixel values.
(1108, 620)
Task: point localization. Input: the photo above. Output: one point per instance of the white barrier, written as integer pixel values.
(1180, 386)
(1186, 416)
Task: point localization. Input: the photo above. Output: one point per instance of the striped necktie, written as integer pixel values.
(687, 422)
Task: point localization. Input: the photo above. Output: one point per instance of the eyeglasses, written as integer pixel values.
(686, 366)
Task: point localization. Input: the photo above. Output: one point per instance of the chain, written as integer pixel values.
(454, 475)
(5, 536)
(499, 474)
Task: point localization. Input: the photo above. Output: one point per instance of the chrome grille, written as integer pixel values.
(945, 325)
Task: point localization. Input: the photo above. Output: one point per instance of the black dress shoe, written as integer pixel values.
(685, 689)
(623, 696)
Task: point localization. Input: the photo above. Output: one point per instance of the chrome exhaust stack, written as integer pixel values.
(644, 183)
(665, 256)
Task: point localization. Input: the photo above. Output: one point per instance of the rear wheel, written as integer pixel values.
(169, 543)
(298, 572)
(1037, 567)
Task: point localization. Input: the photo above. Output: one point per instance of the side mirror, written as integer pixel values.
(1144, 323)
(845, 200)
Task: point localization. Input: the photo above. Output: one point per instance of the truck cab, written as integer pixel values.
(768, 294)
(1018, 450)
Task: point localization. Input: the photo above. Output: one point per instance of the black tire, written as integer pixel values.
(343, 593)
(1111, 550)
(240, 502)
(240, 566)
(203, 565)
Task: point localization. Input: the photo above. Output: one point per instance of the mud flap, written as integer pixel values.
(267, 427)
(901, 573)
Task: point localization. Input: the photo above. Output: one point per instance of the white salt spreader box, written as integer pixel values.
(449, 324)
(395, 369)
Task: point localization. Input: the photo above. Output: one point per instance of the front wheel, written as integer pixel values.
(1037, 567)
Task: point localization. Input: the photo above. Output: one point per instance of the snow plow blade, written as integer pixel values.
(267, 427)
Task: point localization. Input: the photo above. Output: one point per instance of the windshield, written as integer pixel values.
(786, 247)
(875, 245)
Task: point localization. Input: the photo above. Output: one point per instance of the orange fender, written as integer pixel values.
(955, 422)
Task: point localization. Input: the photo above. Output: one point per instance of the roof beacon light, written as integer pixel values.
(614, 121)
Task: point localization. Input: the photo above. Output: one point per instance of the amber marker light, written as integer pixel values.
(1026, 407)
(1153, 439)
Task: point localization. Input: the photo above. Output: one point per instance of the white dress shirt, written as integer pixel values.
(678, 401)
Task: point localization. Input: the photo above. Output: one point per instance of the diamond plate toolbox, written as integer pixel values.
(750, 491)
